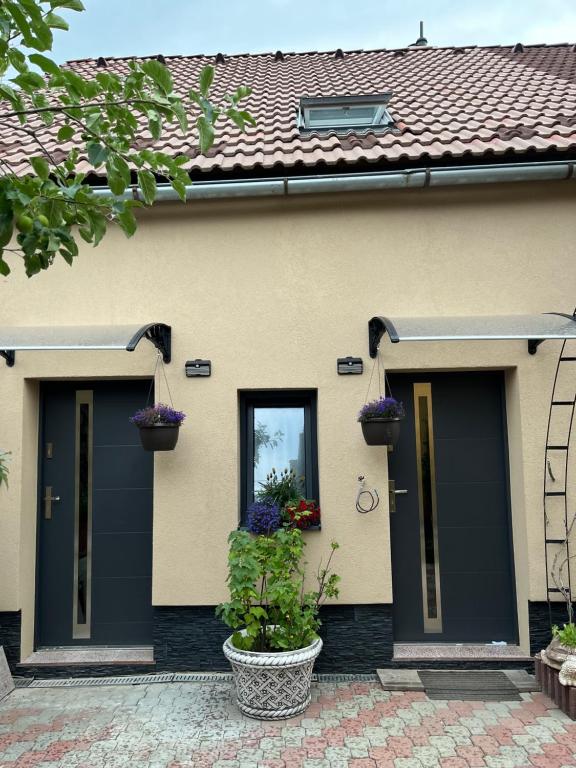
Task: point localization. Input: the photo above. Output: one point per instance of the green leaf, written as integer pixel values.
(181, 116)
(147, 183)
(73, 5)
(122, 168)
(56, 22)
(206, 134)
(4, 268)
(6, 228)
(127, 222)
(154, 124)
(241, 93)
(20, 20)
(29, 81)
(41, 167)
(67, 256)
(97, 154)
(65, 133)
(179, 188)
(159, 74)
(98, 224)
(115, 181)
(45, 64)
(206, 79)
(17, 59)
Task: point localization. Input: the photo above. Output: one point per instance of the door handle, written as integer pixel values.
(392, 493)
(48, 499)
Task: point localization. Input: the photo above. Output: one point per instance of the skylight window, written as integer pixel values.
(344, 113)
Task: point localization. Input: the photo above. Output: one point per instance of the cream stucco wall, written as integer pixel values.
(273, 292)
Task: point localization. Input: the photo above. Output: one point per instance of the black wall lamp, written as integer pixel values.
(350, 365)
(195, 368)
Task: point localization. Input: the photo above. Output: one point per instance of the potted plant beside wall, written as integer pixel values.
(159, 426)
(380, 420)
(556, 669)
(274, 618)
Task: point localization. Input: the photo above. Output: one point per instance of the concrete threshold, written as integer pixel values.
(85, 655)
(453, 652)
(409, 679)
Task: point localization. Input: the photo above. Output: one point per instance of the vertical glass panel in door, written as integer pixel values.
(83, 516)
(278, 442)
(427, 502)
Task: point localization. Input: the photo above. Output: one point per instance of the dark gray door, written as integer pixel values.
(95, 517)
(452, 561)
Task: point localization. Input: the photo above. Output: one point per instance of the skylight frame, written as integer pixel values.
(379, 102)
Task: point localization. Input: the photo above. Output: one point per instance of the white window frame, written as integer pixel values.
(381, 117)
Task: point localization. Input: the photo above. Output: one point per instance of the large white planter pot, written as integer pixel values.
(556, 654)
(6, 682)
(272, 686)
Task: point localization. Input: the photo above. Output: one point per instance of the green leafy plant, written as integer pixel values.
(566, 635)
(4, 457)
(282, 489)
(269, 608)
(104, 119)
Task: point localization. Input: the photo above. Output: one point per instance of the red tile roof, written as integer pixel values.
(447, 103)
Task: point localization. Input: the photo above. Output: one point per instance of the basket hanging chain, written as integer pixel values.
(383, 381)
(165, 379)
(370, 382)
(153, 379)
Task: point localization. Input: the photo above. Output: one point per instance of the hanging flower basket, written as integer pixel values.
(159, 427)
(381, 421)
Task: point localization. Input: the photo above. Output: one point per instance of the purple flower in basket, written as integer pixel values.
(158, 414)
(264, 517)
(382, 408)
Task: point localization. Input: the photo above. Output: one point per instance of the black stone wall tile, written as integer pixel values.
(357, 639)
(188, 639)
(541, 619)
(10, 624)
(88, 670)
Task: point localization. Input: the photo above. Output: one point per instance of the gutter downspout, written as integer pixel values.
(362, 182)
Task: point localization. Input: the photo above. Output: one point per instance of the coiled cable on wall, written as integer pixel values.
(366, 499)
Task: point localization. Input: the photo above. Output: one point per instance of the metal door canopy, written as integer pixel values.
(532, 328)
(78, 337)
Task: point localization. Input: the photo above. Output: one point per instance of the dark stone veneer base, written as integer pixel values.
(10, 624)
(357, 639)
(541, 617)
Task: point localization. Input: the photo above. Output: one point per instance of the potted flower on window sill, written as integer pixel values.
(159, 426)
(284, 490)
(380, 420)
(275, 620)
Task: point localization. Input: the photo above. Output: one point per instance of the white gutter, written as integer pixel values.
(356, 182)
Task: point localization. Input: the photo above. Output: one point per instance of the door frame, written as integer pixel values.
(424, 372)
(81, 381)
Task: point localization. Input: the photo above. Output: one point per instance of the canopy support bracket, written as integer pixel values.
(9, 355)
(159, 334)
(377, 327)
(533, 345)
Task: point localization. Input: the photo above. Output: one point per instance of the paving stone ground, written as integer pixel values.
(197, 725)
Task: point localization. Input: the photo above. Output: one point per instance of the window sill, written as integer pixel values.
(242, 527)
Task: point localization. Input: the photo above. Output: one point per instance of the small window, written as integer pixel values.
(277, 431)
(348, 113)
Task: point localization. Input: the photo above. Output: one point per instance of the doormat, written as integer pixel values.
(469, 685)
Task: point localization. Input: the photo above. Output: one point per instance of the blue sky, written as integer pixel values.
(146, 27)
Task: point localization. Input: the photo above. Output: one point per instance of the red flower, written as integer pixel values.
(305, 515)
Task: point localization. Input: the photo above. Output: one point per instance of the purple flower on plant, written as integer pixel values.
(382, 408)
(264, 517)
(158, 414)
